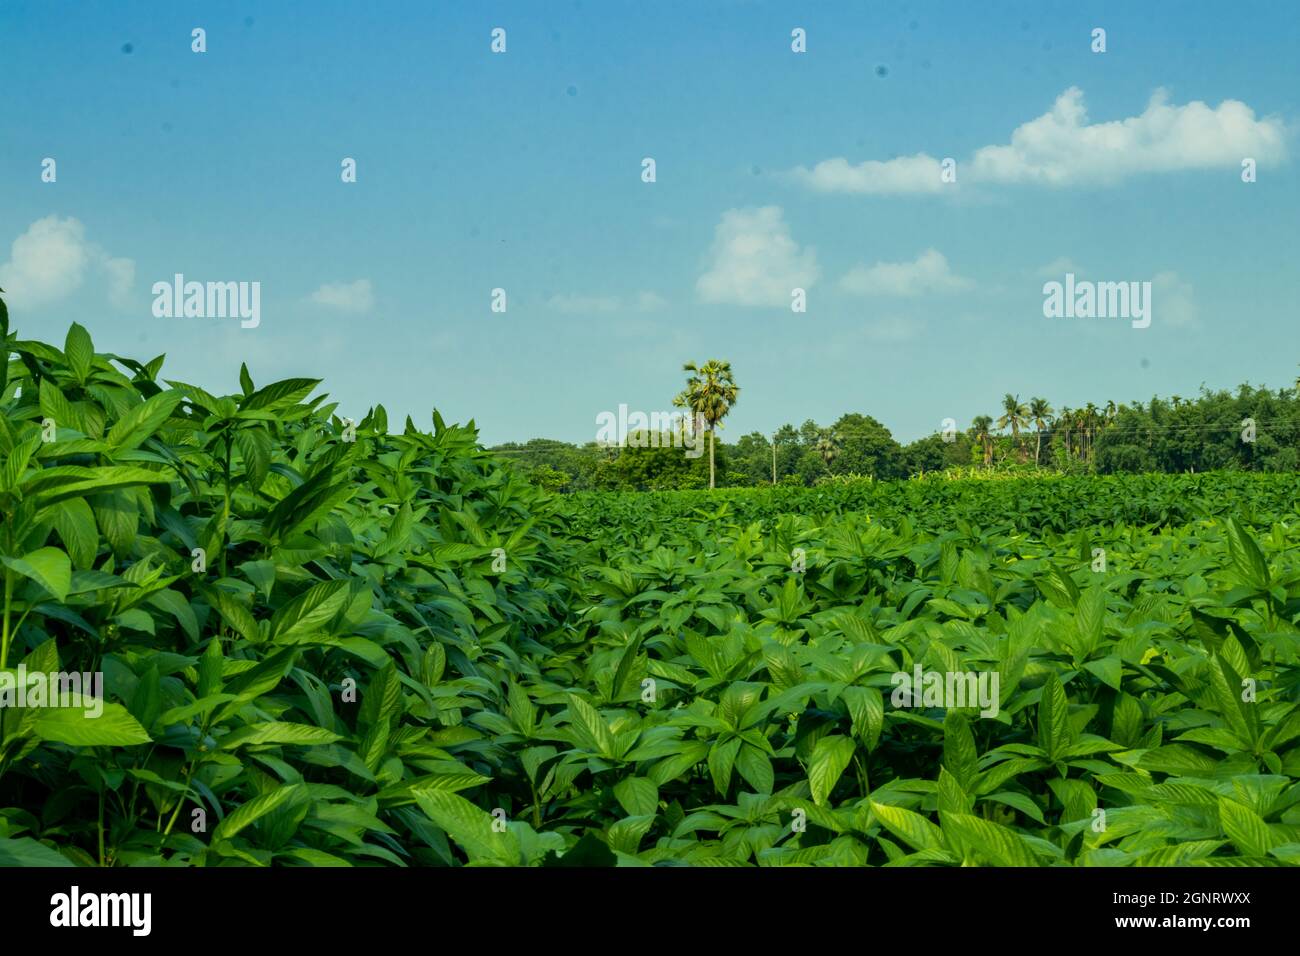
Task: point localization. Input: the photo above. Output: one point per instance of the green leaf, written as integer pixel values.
(756, 767)
(1247, 557)
(625, 836)
(75, 726)
(80, 352)
(26, 852)
(960, 757)
(72, 481)
(722, 759)
(867, 708)
(638, 796)
(590, 728)
(1053, 718)
(291, 391)
(253, 810)
(75, 523)
(974, 837)
(309, 612)
(470, 827)
(912, 828)
(830, 757)
(142, 421)
(278, 732)
(118, 514)
(1089, 620)
(1245, 828)
(1109, 670)
(48, 567)
(239, 618)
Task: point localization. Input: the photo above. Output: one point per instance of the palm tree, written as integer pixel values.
(1091, 420)
(1041, 413)
(1014, 414)
(828, 446)
(1065, 422)
(710, 394)
(981, 426)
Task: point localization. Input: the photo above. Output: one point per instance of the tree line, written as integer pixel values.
(1251, 429)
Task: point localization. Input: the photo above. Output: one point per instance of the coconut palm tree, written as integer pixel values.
(1064, 423)
(827, 446)
(1014, 415)
(1092, 418)
(710, 393)
(981, 427)
(1041, 413)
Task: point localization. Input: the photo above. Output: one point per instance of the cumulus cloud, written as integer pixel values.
(577, 304)
(906, 174)
(53, 259)
(928, 273)
(754, 261)
(1061, 148)
(355, 296)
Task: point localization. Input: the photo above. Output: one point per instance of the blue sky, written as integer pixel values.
(774, 169)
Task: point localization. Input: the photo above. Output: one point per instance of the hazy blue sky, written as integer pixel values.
(775, 169)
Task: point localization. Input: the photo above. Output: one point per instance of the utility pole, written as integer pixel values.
(774, 434)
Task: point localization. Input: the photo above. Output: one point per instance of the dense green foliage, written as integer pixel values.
(346, 646)
(937, 503)
(1172, 436)
(327, 565)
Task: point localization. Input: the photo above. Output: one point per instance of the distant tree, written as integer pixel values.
(1014, 416)
(935, 453)
(867, 448)
(751, 461)
(549, 478)
(981, 429)
(710, 394)
(828, 446)
(788, 451)
(1041, 413)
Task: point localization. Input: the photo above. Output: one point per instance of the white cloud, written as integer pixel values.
(355, 296)
(906, 174)
(577, 304)
(52, 259)
(1059, 267)
(1062, 148)
(754, 261)
(929, 272)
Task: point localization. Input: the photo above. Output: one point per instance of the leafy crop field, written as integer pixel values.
(332, 644)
